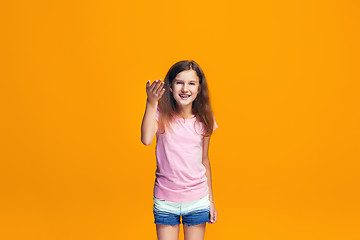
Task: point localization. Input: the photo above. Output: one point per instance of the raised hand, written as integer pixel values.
(154, 91)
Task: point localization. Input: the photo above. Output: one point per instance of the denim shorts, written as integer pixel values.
(193, 212)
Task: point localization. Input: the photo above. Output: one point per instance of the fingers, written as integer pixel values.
(156, 87)
(162, 92)
(155, 90)
(160, 87)
(213, 217)
(151, 88)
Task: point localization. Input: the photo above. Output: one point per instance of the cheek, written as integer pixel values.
(175, 91)
(176, 88)
(175, 94)
(196, 89)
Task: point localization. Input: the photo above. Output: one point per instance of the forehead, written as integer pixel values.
(187, 76)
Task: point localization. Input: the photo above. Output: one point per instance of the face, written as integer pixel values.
(185, 87)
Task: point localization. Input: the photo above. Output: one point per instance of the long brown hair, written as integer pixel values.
(201, 106)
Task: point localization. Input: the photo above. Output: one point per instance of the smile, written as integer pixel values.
(184, 96)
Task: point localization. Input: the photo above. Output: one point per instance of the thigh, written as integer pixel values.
(166, 212)
(194, 232)
(196, 212)
(167, 232)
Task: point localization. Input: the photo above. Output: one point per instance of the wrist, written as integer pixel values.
(151, 103)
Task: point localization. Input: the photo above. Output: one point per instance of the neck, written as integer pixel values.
(185, 111)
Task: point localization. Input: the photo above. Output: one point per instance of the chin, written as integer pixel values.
(185, 103)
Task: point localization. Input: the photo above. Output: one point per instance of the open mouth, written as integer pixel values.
(183, 96)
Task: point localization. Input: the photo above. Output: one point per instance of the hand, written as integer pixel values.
(213, 213)
(155, 91)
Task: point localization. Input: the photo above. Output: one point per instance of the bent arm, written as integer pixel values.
(149, 124)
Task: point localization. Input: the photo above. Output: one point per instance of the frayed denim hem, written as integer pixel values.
(167, 224)
(192, 224)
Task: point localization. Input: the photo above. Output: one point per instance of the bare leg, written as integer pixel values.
(194, 232)
(167, 232)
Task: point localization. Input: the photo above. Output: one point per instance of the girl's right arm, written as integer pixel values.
(149, 124)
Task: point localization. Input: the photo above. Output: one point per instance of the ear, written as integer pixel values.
(170, 89)
(199, 89)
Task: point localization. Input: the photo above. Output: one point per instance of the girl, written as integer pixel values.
(178, 111)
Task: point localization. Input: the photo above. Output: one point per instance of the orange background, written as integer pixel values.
(284, 85)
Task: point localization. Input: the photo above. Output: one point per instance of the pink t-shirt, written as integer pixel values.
(180, 174)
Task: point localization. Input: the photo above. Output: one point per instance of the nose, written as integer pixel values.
(184, 88)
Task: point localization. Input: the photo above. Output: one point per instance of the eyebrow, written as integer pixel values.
(192, 80)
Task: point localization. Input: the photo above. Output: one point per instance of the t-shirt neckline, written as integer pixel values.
(188, 119)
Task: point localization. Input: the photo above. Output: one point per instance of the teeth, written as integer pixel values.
(184, 95)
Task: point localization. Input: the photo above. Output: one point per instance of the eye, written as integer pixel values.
(178, 82)
(192, 83)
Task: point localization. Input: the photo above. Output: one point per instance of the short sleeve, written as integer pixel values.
(215, 125)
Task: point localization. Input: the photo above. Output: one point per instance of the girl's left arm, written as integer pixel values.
(206, 163)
